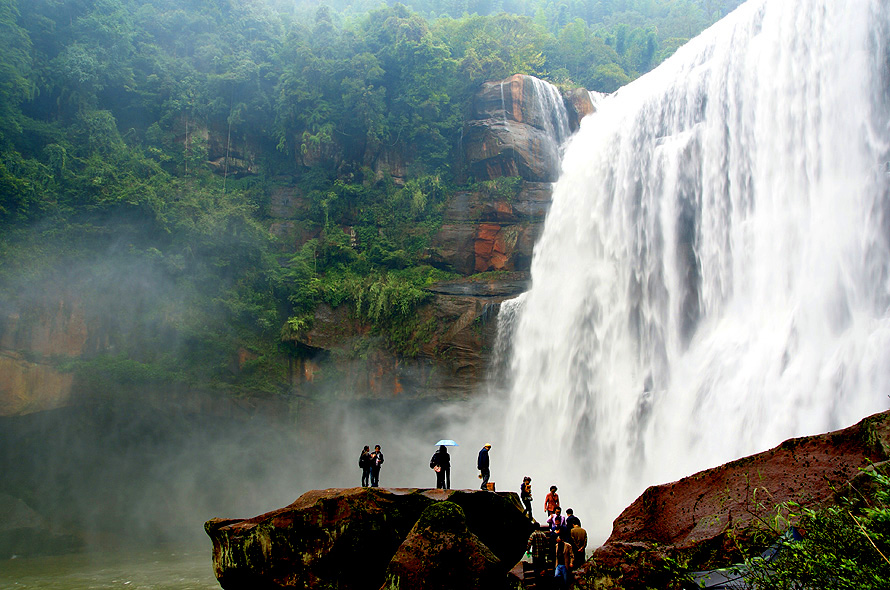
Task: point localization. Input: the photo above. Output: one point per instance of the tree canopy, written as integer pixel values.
(118, 121)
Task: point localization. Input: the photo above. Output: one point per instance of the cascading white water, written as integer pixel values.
(554, 119)
(714, 273)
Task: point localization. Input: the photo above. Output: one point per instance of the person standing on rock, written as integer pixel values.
(551, 501)
(364, 461)
(482, 465)
(441, 463)
(525, 494)
(376, 462)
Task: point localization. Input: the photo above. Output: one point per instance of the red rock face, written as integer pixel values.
(490, 249)
(694, 516)
(346, 538)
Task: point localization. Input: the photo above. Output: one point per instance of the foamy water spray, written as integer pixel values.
(713, 274)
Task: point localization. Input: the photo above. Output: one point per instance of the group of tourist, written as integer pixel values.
(370, 462)
(558, 544)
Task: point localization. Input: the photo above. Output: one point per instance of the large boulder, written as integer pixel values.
(440, 553)
(346, 538)
(703, 519)
(516, 129)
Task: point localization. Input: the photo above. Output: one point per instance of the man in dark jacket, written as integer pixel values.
(364, 461)
(571, 519)
(482, 465)
(376, 462)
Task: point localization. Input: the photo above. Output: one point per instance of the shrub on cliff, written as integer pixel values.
(846, 546)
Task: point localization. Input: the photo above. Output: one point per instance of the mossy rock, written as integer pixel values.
(440, 553)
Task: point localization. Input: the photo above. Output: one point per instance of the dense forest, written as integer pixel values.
(119, 182)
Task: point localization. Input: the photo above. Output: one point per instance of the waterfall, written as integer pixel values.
(508, 316)
(554, 119)
(714, 273)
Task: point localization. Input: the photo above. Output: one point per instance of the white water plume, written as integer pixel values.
(713, 274)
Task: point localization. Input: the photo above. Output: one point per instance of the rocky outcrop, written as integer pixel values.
(489, 232)
(27, 386)
(579, 104)
(440, 553)
(361, 538)
(25, 533)
(452, 360)
(703, 518)
(516, 129)
(51, 328)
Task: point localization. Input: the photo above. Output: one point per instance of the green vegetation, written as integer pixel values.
(140, 141)
(846, 546)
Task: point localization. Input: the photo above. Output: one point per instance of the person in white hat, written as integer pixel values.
(482, 465)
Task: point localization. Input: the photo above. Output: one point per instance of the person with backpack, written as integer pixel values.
(364, 461)
(441, 464)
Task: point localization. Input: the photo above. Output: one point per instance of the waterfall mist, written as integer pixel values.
(713, 274)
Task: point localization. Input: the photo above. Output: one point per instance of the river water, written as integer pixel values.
(168, 568)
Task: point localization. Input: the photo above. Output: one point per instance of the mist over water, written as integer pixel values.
(713, 274)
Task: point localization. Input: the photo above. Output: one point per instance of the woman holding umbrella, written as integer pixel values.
(441, 464)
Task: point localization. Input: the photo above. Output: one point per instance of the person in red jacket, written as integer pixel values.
(551, 502)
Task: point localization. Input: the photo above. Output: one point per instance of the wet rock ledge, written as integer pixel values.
(374, 538)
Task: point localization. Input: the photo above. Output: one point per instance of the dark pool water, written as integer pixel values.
(154, 569)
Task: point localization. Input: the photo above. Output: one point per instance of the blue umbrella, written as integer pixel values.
(447, 443)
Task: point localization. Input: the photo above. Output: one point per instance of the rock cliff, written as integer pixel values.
(370, 538)
(702, 518)
(54, 327)
(516, 129)
(511, 153)
(511, 149)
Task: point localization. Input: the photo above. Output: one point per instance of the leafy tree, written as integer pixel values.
(15, 85)
(111, 111)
